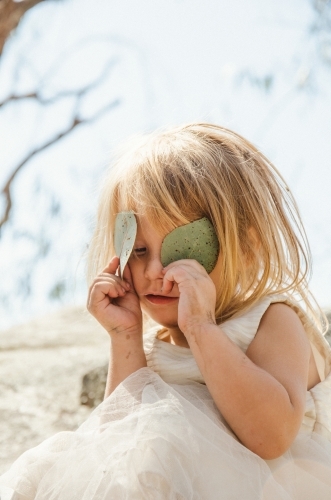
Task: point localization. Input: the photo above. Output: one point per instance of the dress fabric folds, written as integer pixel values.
(160, 436)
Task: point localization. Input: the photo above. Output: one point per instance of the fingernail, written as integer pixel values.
(127, 285)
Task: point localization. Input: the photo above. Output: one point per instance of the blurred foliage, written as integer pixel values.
(262, 82)
(58, 291)
(321, 29)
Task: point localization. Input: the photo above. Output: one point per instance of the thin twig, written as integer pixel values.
(6, 191)
(62, 95)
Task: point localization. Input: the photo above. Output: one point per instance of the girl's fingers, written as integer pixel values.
(171, 277)
(102, 290)
(115, 284)
(167, 286)
(107, 284)
(178, 273)
(111, 278)
(128, 276)
(111, 268)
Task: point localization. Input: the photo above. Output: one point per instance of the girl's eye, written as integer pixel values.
(140, 251)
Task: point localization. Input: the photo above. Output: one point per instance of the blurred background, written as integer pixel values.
(77, 77)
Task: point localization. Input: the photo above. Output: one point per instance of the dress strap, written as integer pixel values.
(242, 329)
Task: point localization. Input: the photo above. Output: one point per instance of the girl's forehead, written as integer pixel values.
(149, 229)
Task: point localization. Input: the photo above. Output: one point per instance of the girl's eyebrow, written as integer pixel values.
(139, 240)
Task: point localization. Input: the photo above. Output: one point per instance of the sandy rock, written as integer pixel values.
(42, 364)
(93, 386)
(67, 327)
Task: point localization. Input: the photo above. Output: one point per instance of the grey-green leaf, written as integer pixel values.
(196, 240)
(124, 237)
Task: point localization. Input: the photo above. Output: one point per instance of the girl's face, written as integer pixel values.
(146, 269)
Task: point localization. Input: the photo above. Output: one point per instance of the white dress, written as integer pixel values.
(159, 436)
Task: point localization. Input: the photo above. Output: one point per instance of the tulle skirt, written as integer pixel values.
(154, 440)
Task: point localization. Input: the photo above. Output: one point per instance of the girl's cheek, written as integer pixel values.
(136, 269)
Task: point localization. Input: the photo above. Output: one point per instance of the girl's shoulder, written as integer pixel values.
(242, 329)
(320, 347)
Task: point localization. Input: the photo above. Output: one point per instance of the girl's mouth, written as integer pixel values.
(160, 299)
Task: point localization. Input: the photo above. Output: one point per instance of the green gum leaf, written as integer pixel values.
(196, 240)
(124, 237)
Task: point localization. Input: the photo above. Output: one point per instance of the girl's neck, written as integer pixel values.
(173, 336)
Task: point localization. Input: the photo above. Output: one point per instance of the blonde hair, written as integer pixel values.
(177, 175)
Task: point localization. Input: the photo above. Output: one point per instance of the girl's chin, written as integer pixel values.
(164, 316)
(161, 317)
(165, 322)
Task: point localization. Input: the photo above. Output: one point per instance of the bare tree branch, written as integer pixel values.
(78, 95)
(66, 93)
(41, 97)
(6, 191)
(10, 15)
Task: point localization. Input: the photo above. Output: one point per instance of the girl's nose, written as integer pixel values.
(153, 269)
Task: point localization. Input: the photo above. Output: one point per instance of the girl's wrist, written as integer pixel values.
(127, 343)
(127, 351)
(120, 335)
(199, 328)
(124, 360)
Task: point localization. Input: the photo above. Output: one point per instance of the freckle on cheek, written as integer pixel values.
(127, 337)
(126, 357)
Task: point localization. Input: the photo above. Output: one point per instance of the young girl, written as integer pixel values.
(228, 394)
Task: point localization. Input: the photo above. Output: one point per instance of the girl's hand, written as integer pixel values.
(114, 302)
(197, 294)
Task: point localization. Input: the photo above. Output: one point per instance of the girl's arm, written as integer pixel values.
(261, 394)
(115, 304)
(126, 356)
